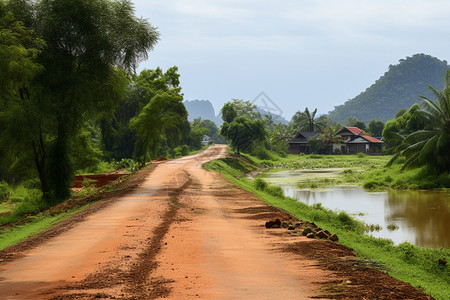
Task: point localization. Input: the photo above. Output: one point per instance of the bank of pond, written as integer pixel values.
(419, 217)
(405, 229)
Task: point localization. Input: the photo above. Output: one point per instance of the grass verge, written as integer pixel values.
(34, 224)
(27, 219)
(416, 265)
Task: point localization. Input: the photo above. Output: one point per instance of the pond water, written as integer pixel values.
(422, 217)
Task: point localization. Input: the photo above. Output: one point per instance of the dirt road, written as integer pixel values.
(186, 233)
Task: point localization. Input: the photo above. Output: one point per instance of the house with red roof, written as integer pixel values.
(364, 144)
(353, 140)
(347, 133)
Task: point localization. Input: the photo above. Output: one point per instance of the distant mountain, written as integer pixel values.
(398, 88)
(204, 109)
(201, 109)
(276, 118)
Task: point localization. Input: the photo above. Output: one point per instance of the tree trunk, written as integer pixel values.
(40, 162)
(59, 169)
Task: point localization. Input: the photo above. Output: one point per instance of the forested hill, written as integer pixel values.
(398, 88)
(201, 109)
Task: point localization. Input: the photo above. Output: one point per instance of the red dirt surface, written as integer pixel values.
(99, 179)
(185, 233)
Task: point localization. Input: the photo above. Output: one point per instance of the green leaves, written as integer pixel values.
(305, 121)
(243, 133)
(79, 74)
(163, 117)
(430, 147)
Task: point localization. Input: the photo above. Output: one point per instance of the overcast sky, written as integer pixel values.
(303, 53)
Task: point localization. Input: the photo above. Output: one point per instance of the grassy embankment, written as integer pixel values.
(23, 214)
(416, 265)
(27, 215)
(361, 170)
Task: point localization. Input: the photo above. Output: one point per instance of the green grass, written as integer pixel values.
(370, 172)
(416, 265)
(5, 208)
(30, 215)
(35, 224)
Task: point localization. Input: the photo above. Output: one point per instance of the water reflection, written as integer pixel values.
(423, 217)
(428, 213)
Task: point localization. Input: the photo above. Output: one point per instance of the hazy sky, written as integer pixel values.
(315, 53)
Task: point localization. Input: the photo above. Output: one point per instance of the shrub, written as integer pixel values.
(313, 185)
(4, 191)
(372, 184)
(20, 193)
(407, 251)
(32, 203)
(361, 155)
(345, 219)
(88, 183)
(318, 215)
(263, 154)
(318, 206)
(275, 191)
(181, 150)
(260, 184)
(388, 179)
(337, 151)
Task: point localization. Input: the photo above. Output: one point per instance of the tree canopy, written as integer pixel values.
(243, 133)
(88, 47)
(430, 146)
(307, 121)
(395, 130)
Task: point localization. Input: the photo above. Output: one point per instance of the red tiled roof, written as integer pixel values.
(371, 139)
(355, 130)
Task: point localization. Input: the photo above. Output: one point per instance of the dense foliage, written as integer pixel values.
(89, 45)
(430, 146)
(246, 130)
(405, 123)
(70, 98)
(396, 89)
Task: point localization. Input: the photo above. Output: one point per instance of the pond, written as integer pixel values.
(422, 217)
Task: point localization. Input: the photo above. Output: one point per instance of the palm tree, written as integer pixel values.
(305, 121)
(430, 146)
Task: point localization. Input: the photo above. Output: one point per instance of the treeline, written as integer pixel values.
(70, 98)
(246, 130)
(396, 89)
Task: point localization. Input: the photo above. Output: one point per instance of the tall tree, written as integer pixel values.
(306, 121)
(118, 138)
(88, 43)
(18, 115)
(376, 127)
(228, 112)
(243, 133)
(163, 118)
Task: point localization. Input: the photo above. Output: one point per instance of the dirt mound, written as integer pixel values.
(159, 159)
(98, 180)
